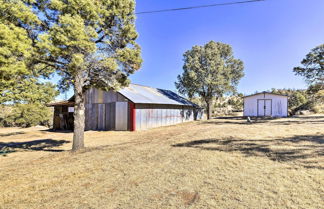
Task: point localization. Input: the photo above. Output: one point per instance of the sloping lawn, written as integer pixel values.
(221, 163)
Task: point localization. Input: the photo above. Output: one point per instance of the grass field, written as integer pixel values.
(221, 163)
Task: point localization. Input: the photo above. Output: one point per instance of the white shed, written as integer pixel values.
(266, 104)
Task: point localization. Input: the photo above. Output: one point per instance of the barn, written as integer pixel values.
(266, 104)
(135, 107)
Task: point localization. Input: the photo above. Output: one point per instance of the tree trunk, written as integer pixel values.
(79, 117)
(209, 109)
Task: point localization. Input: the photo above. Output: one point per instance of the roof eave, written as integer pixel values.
(265, 93)
(62, 103)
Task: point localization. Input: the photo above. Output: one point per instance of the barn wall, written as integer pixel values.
(97, 96)
(279, 105)
(100, 109)
(152, 115)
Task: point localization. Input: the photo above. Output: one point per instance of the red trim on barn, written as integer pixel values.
(132, 116)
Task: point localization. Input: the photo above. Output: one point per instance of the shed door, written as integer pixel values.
(121, 116)
(268, 107)
(264, 107)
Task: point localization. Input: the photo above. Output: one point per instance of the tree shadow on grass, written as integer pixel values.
(309, 117)
(35, 145)
(260, 120)
(239, 120)
(57, 131)
(12, 133)
(304, 150)
(293, 122)
(233, 122)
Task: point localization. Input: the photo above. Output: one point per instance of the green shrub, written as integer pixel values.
(5, 111)
(318, 108)
(297, 99)
(27, 115)
(307, 106)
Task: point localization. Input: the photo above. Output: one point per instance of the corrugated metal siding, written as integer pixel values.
(101, 117)
(151, 116)
(110, 116)
(94, 95)
(91, 117)
(121, 116)
(102, 113)
(101, 109)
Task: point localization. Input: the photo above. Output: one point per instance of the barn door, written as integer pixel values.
(121, 116)
(101, 117)
(264, 107)
(110, 116)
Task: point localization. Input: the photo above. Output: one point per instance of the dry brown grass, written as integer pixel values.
(222, 163)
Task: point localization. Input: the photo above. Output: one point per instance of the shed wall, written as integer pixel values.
(152, 115)
(279, 105)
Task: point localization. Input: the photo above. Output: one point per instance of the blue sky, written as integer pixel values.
(271, 37)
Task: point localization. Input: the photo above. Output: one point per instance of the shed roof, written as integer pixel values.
(264, 92)
(147, 95)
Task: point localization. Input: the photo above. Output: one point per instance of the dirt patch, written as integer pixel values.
(188, 197)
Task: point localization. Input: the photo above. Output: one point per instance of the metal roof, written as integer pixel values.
(147, 95)
(264, 92)
(139, 94)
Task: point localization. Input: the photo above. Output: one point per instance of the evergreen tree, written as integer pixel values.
(313, 70)
(209, 71)
(89, 43)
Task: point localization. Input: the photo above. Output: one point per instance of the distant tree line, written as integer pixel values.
(298, 100)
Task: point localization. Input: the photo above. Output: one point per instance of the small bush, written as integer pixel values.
(307, 106)
(5, 111)
(318, 109)
(27, 115)
(297, 99)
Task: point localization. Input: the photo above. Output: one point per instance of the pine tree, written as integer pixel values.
(209, 71)
(89, 43)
